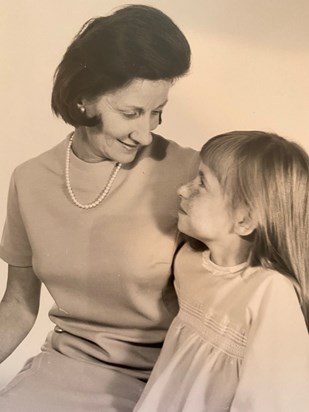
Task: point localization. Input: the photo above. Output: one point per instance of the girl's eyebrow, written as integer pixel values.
(202, 177)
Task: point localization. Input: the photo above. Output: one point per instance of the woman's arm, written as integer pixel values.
(18, 308)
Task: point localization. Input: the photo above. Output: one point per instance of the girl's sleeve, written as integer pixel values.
(15, 248)
(275, 371)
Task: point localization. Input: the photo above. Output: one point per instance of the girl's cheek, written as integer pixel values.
(192, 200)
(194, 192)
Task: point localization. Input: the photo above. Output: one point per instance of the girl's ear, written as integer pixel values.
(244, 224)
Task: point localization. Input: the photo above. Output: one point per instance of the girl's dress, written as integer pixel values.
(107, 268)
(239, 343)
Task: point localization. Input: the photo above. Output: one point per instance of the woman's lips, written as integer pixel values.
(127, 145)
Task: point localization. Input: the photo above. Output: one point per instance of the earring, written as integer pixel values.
(160, 117)
(81, 108)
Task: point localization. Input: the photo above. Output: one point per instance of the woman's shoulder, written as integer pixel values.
(52, 158)
(162, 146)
(172, 156)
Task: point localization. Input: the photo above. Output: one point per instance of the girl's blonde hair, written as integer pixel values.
(268, 175)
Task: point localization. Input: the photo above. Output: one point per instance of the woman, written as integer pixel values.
(94, 219)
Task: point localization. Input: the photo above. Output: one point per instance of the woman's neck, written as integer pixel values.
(83, 148)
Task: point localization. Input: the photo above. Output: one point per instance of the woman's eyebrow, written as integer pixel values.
(162, 105)
(133, 107)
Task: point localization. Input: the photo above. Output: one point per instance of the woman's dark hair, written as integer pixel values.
(136, 41)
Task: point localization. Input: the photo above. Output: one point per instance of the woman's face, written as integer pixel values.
(128, 116)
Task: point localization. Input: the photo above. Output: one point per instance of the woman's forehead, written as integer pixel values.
(141, 93)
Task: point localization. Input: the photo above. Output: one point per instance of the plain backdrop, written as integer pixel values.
(250, 70)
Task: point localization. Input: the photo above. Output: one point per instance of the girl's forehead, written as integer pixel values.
(205, 169)
(207, 174)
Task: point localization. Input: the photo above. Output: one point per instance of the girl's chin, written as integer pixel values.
(183, 229)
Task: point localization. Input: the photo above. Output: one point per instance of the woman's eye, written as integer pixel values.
(131, 115)
(157, 112)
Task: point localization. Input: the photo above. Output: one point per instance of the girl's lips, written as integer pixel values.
(181, 210)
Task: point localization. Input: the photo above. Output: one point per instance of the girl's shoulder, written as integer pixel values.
(265, 279)
(269, 288)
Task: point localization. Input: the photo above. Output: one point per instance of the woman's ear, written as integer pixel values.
(88, 107)
(81, 107)
(244, 224)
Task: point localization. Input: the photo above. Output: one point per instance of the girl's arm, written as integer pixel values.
(18, 308)
(275, 371)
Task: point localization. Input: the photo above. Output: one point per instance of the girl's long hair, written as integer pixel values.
(268, 175)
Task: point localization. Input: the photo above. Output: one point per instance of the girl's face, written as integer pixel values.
(128, 116)
(204, 212)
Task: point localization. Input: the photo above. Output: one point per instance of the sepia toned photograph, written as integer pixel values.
(154, 210)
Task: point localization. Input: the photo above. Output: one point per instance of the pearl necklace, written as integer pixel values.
(104, 192)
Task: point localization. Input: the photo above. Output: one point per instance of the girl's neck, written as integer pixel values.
(231, 255)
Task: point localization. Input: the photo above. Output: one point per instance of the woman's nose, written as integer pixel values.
(142, 133)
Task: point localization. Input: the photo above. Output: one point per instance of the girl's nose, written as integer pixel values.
(184, 191)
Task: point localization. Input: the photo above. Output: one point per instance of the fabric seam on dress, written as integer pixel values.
(220, 335)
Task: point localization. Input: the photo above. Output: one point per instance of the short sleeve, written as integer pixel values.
(275, 370)
(15, 248)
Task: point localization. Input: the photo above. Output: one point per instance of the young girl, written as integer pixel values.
(240, 341)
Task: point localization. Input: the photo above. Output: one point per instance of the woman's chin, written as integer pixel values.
(125, 158)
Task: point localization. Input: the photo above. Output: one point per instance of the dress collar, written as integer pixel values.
(217, 270)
